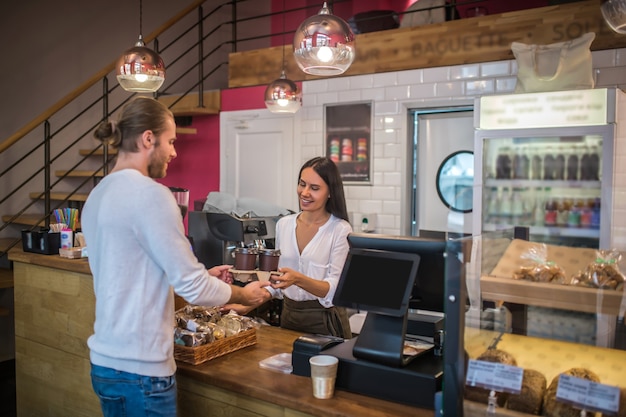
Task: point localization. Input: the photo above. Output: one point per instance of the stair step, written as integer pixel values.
(186, 130)
(80, 173)
(97, 152)
(61, 196)
(28, 219)
(188, 105)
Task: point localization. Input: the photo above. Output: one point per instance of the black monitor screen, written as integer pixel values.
(428, 289)
(377, 281)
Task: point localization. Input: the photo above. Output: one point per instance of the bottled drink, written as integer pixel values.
(539, 209)
(549, 165)
(536, 165)
(559, 165)
(503, 164)
(572, 165)
(590, 165)
(517, 207)
(595, 214)
(521, 164)
(562, 212)
(549, 218)
(505, 206)
(493, 206)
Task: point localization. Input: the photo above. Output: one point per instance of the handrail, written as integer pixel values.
(29, 127)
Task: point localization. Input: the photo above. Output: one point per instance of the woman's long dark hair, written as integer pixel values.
(328, 171)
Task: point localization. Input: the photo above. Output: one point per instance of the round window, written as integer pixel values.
(455, 181)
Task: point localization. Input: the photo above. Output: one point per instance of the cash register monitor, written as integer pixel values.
(427, 293)
(381, 275)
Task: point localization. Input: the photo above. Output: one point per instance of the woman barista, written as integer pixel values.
(313, 245)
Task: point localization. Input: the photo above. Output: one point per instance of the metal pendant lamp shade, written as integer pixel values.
(324, 44)
(140, 69)
(614, 13)
(283, 96)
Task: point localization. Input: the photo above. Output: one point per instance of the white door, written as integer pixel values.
(439, 135)
(257, 157)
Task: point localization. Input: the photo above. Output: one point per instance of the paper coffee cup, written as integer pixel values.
(323, 375)
(67, 239)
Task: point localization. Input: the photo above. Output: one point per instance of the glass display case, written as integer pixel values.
(533, 329)
(545, 161)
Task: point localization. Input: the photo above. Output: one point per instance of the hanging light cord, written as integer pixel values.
(140, 19)
(283, 35)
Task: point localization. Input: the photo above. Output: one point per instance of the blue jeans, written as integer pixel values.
(123, 394)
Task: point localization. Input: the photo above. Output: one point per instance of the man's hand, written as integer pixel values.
(222, 272)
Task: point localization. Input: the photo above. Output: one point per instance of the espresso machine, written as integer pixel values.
(216, 236)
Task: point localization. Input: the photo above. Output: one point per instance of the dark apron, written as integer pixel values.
(311, 317)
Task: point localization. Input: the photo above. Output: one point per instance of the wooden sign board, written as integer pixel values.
(464, 41)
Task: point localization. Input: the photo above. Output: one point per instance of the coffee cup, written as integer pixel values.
(323, 375)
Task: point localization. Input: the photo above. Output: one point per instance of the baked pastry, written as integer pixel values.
(548, 272)
(554, 408)
(481, 395)
(530, 399)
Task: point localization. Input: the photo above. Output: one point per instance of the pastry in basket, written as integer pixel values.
(530, 399)
(537, 268)
(481, 395)
(554, 408)
(603, 273)
(548, 272)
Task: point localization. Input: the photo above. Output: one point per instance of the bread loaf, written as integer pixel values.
(481, 395)
(530, 399)
(554, 408)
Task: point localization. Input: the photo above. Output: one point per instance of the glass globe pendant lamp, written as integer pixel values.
(140, 69)
(324, 44)
(614, 13)
(283, 96)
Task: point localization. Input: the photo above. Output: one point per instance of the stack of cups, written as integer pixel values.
(323, 375)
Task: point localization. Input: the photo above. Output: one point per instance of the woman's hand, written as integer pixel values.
(286, 279)
(222, 272)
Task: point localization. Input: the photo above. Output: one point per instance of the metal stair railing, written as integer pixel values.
(83, 109)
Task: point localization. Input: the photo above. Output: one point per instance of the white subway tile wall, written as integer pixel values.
(393, 94)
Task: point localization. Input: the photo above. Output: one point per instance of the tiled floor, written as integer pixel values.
(7, 389)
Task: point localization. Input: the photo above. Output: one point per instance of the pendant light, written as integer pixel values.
(282, 95)
(614, 13)
(324, 44)
(140, 69)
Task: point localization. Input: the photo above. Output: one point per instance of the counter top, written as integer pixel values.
(53, 261)
(240, 372)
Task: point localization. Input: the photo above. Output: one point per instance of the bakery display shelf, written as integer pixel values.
(548, 357)
(566, 297)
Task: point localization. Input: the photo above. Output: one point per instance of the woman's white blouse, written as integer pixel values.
(323, 258)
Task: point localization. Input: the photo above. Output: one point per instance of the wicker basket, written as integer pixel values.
(199, 354)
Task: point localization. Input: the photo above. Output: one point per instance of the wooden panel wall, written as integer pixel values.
(464, 41)
(54, 314)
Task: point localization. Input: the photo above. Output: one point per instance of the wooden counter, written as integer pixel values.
(266, 392)
(54, 313)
